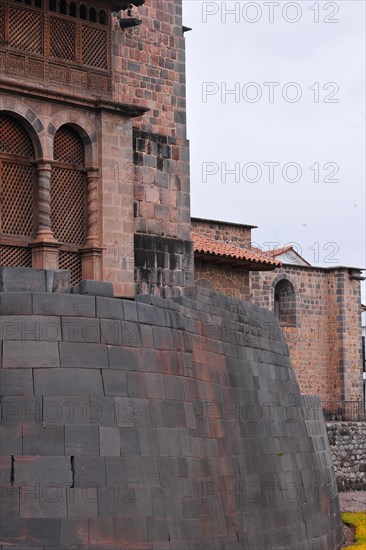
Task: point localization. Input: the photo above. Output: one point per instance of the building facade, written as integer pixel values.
(93, 151)
(319, 309)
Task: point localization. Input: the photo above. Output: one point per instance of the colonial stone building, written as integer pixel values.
(94, 177)
(93, 151)
(319, 309)
(117, 426)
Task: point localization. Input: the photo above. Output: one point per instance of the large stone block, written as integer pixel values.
(30, 328)
(80, 440)
(11, 440)
(42, 470)
(12, 531)
(44, 440)
(80, 329)
(83, 355)
(109, 308)
(43, 531)
(21, 410)
(16, 382)
(15, 303)
(30, 355)
(74, 532)
(94, 288)
(69, 381)
(122, 358)
(22, 279)
(64, 304)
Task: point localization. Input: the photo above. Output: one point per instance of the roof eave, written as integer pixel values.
(239, 263)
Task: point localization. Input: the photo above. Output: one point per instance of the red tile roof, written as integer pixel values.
(206, 246)
(278, 251)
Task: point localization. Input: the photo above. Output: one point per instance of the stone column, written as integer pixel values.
(44, 246)
(92, 251)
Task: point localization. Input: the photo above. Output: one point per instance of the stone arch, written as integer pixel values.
(285, 301)
(84, 126)
(29, 120)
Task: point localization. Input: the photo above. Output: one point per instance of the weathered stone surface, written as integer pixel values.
(22, 279)
(68, 382)
(58, 280)
(45, 440)
(193, 436)
(64, 304)
(29, 355)
(94, 288)
(83, 355)
(16, 382)
(348, 448)
(26, 328)
(15, 303)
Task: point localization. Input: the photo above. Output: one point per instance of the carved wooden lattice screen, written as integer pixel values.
(59, 45)
(17, 191)
(68, 199)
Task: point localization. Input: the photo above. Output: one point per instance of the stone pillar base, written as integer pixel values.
(92, 263)
(45, 255)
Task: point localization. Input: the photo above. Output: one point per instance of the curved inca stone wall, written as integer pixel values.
(173, 425)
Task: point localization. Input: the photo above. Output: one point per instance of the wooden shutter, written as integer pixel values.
(17, 192)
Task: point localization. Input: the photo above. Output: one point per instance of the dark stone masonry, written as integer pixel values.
(347, 442)
(157, 424)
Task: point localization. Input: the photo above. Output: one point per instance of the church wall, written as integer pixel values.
(237, 235)
(111, 77)
(149, 71)
(325, 344)
(231, 282)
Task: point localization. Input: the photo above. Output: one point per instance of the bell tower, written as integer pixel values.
(93, 154)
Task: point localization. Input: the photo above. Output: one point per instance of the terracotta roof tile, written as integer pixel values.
(204, 245)
(278, 251)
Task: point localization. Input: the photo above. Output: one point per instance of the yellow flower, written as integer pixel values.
(357, 520)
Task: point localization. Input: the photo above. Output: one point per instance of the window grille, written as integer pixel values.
(72, 261)
(68, 199)
(15, 256)
(17, 181)
(57, 42)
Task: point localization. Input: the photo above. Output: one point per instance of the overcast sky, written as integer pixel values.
(276, 120)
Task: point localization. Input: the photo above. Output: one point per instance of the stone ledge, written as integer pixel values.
(29, 279)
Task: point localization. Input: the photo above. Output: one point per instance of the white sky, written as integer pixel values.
(324, 130)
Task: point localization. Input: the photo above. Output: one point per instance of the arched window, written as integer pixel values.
(72, 9)
(285, 302)
(102, 17)
(63, 6)
(17, 192)
(69, 199)
(93, 15)
(82, 11)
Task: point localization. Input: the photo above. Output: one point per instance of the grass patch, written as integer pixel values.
(357, 520)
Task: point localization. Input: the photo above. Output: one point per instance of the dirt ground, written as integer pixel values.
(352, 502)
